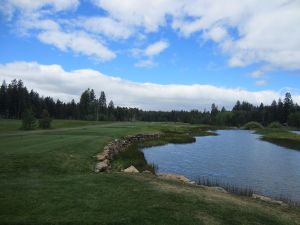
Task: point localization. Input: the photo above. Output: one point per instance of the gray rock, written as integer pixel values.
(131, 169)
(101, 166)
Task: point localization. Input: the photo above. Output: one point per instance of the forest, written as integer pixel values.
(16, 99)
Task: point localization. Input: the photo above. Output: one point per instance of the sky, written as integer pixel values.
(155, 55)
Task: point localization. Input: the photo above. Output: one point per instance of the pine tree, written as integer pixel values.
(102, 101)
(287, 105)
(3, 100)
(45, 121)
(28, 120)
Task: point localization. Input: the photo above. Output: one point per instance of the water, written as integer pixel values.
(237, 157)
(296, 132)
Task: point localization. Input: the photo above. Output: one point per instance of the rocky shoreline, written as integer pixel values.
(118, 145)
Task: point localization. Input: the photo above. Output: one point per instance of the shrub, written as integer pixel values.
(28, 120)
(45, 121)
(253, 126)
(275, 125)
(294, 119)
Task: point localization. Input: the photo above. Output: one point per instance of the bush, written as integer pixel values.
(45, 121)
(294, 119)
(253, 126)
(28, 120)
(275, 125)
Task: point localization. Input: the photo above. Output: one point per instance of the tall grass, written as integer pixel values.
(288, 201)
(231, 188)
(242, 191)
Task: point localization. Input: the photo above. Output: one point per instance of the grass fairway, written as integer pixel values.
(46, 177)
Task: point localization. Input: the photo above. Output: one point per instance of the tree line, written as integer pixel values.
(16, 100)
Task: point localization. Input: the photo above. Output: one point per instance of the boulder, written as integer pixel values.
(101, 166)
(171, 176)
(131, 169)
(101, 157)
(267, 199)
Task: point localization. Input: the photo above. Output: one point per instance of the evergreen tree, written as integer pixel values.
(102, 101)
(280, 111)
(45, 121)
(237, 106)
(287, 106)
(84, 104)
(3, 100)
(110, 110)
(28, 120)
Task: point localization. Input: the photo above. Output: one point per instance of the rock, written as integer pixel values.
(117, 146)
(171, 176)
(101, 157)
(131, 169)
(147, 172)
(267, 199)
(101, 166)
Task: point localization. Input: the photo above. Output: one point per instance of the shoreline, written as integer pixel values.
(140, 141)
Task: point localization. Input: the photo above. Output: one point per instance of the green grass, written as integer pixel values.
(46, 178)
(281, 136)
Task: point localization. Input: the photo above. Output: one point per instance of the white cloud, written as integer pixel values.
(156, 48)
(149, 52)
(33, 21)
(105, 26)
(9, 7)
(78, 42)
(216, 34)
(53, 80)
(257, 74)
(142, 13)
(261, 82)
(248, 31)
(148, 63)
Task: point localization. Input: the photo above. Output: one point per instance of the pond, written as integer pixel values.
(296, 132)
(237, 157)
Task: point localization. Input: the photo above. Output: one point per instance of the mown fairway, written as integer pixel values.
(46, 177)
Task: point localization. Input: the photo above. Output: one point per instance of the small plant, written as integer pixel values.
(275, 125)
(231, 188)
(28, 120)
(253, 126)
(45, 121)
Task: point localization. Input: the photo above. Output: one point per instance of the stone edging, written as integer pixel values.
(118, 145)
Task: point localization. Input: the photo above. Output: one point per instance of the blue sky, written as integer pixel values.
(244, 50)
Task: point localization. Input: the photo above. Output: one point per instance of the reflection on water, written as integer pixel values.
(234, 156)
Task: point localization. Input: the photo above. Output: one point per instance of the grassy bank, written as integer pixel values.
(46, 177)
(281, 136)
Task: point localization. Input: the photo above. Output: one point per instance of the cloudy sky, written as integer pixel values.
(158, 54)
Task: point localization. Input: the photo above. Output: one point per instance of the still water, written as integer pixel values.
(237, 157)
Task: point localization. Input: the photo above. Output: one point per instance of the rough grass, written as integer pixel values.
(281, 136)
(46, 178)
